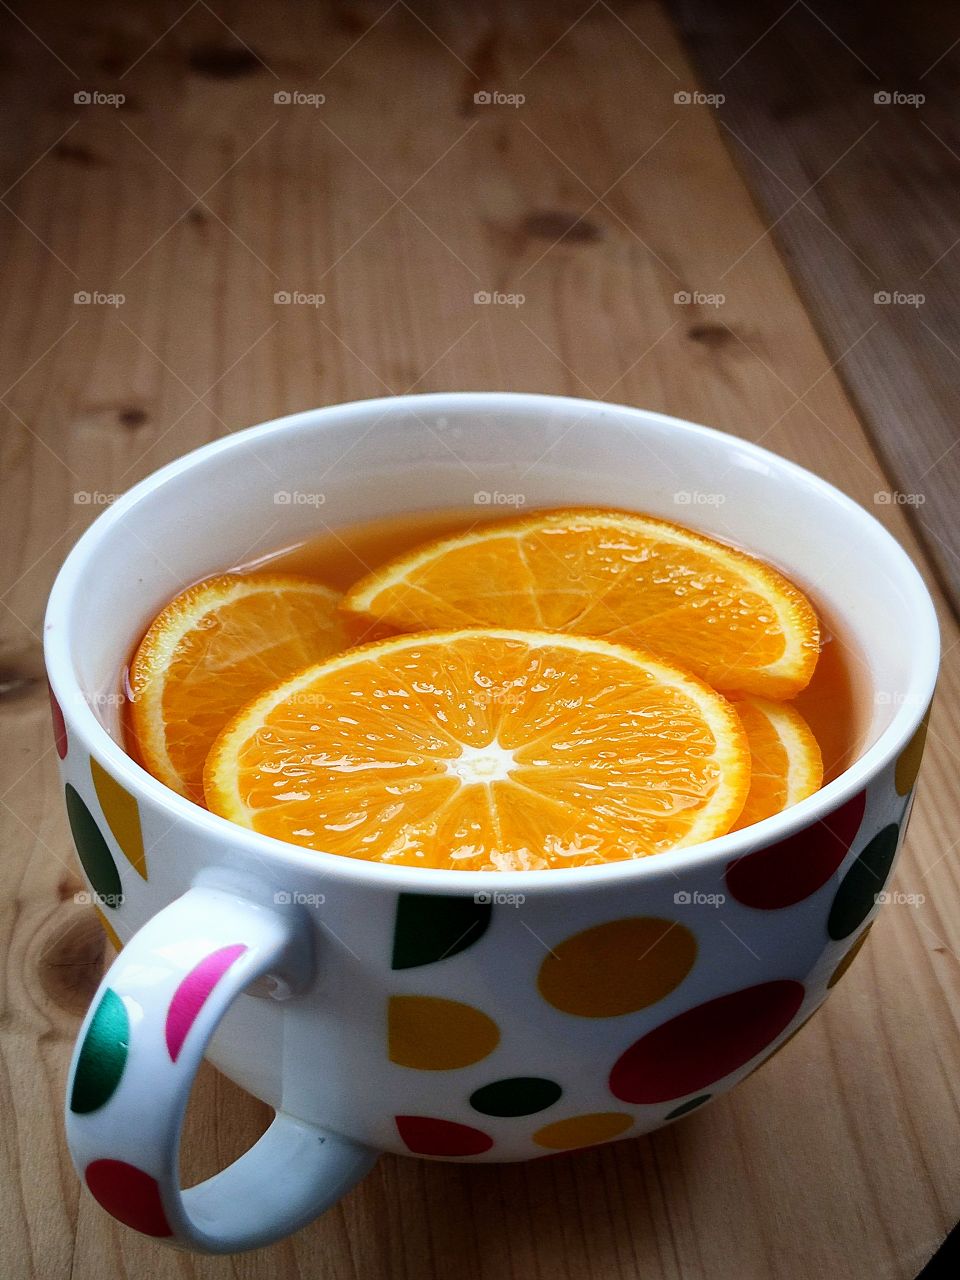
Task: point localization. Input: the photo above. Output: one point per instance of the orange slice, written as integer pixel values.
(727, 617)
(209, 652)
(785, 759)
(485, 750)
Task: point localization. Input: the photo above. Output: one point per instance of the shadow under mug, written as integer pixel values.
(453, 1015)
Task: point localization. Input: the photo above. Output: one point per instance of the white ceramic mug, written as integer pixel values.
(454, 1015)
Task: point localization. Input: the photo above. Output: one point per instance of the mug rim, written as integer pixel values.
(99, 743)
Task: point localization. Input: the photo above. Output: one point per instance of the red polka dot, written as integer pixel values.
(426, 1136)
(794, 868)
(128, 1193)
(59, 727)
(705, 1044)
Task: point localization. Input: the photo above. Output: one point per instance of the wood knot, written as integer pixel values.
(75, 154)
(71, 963)
(554, 224)
(223, 61)
(713, 336)
(132, 417)
(21, 676)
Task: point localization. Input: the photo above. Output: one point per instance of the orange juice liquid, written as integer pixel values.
(834, 704)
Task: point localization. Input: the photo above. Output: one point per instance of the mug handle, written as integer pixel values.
(134, 1064)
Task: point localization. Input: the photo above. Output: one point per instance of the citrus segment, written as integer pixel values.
(727, 617)
(212, 649)
(485, 750)
(785, 759)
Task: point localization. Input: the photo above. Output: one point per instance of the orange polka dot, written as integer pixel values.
(122, 815)
(431, 1034)
(583, 1131)
(908, 762)
(109, 930)
(849, 958)
(617, 967)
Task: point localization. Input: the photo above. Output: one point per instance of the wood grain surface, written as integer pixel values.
(599, 198)
(844, 121)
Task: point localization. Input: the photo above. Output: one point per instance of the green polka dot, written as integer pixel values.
(518, 1096)
(858, 890)
(684, 1107)
(103, 1055)
(95, 857)
(433, 927)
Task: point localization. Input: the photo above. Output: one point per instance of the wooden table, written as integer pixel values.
(601, 198)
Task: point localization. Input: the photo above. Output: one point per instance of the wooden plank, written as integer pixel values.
(862, 198)
(840, 1157)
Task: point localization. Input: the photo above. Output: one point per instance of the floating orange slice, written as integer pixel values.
(485, 750)
(209, 652)
(727, 617)
(785, 759)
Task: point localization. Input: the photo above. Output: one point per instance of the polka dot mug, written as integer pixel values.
(449, 1015)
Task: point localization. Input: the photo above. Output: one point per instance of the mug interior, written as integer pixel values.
(277, 485)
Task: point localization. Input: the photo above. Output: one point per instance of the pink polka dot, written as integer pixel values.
(129, 1194)
(795, 868)
(427, 1136)
(705, 1044)
(59, 726)
(193, 992)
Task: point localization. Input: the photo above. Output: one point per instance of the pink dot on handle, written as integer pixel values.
(192, 993)
(129, 1194)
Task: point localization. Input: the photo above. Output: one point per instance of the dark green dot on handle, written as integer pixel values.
(102, 1056)
(95, 856)
(690, 1105)
(433, 927)
(866, 877)
(517, 1096)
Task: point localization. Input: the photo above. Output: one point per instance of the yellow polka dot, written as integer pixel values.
(908, 762)
(109, 930)
(431, 1034)
(122, 815)
(617, 967)
(583, 1131)
(849, 958)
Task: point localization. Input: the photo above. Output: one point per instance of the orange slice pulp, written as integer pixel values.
(494, 749)
(212, 649)
(727, 617)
